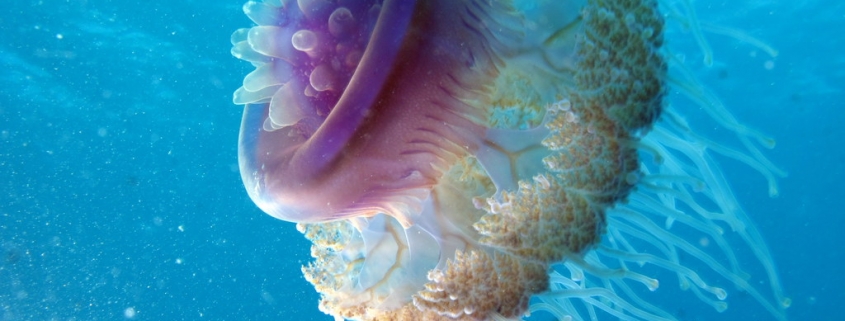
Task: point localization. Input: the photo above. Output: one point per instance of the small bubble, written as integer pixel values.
(130, 313)
(632, 178)
(564, 105)
(769, 65)
(304, 40)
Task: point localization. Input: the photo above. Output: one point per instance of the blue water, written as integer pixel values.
(121, 197)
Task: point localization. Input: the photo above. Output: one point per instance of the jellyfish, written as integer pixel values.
(489, 159)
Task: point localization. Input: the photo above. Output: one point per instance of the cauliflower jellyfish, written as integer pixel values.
(477, 160)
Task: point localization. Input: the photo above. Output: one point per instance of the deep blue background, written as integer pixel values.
(118, 172)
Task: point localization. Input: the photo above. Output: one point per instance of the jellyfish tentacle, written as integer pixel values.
(717, 110)
(586, 293)
(741, 36)
(689, 19)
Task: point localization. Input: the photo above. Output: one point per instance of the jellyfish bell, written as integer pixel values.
(450, 158)
(292, 172)
(411, 107)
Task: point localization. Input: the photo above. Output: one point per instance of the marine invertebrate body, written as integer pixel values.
(447, 157)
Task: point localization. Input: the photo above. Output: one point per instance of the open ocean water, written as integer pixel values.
(120, 196)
